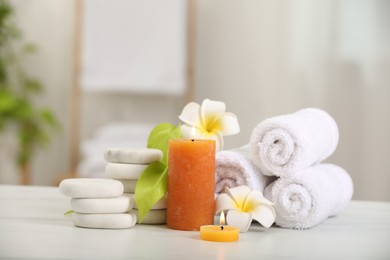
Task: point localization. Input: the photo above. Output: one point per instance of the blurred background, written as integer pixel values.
(110, 71)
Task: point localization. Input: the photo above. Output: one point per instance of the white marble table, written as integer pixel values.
(32, 226)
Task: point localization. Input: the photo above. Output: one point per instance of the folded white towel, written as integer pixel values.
(306, 198)
(234, 168)
(288, 143)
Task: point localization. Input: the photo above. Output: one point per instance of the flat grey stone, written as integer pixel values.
(124, 171)
(91, 188)
(120, 204)
(155, 217)
(128, 185)
(161, 204)
(105, 221)
(133, 155)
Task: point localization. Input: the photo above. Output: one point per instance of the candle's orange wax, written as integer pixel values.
(216, 234)
(191, 184)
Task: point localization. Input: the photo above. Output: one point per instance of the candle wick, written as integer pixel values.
(193, 140)
(221, 227)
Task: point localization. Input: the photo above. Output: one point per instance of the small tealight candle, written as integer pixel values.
(219, 233)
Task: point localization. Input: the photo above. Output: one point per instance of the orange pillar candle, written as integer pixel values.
(191, 183)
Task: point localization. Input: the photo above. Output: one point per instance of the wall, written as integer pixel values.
(251, 56)
(248, 56)
(50, 25)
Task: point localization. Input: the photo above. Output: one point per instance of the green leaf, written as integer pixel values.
(151, 187)
(160, 136)
(152, 184)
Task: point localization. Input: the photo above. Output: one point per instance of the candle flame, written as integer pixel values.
(193, 132)
(222, 218)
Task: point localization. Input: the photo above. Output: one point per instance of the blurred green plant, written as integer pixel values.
(18, 89)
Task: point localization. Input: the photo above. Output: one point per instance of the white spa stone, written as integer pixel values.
(155, 217)
(128, 185)
(161, 204)
(107, 221)
(133, 155)
(105, 205)
(125, 171)
(91, 188)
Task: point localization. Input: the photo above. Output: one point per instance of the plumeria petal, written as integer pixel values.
(254, 199)
(229, 124)
(238, 194)
(224, 202)
(264, 214)
(190, 114)
(213, 107)
(242, 220)
(210, 112)
(213, 136)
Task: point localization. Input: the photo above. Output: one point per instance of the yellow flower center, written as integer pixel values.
(249, 206)
(245, 206)
(211, 124)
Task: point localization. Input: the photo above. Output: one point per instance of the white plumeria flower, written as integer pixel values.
(210, 120)
(243, 206)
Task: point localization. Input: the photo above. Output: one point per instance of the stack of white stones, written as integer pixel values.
(126, 165)
(98, 203)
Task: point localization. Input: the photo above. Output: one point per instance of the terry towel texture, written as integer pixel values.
(234, 168)
(288, 143)
(306, 198)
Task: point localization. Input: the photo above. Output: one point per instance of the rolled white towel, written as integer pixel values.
(288, 143)
(234, 168)
(306, 198)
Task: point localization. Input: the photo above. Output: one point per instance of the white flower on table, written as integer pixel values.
(210, 120)
(243, 206)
